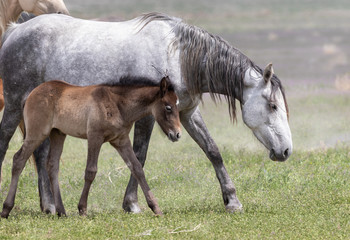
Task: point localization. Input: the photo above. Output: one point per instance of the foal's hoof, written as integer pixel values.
(61, 214)
(160, 214)
(83, 212)
(5, 214)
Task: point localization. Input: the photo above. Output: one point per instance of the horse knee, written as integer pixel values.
(90, 174)
(18, 162)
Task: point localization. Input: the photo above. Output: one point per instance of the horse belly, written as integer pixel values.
(72, 121)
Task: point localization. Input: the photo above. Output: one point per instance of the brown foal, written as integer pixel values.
(99, 113)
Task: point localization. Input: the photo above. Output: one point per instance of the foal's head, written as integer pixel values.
(165, 110)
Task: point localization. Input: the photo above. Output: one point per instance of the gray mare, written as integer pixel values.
(88, 52)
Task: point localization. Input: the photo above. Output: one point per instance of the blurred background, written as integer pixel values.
(306, 40)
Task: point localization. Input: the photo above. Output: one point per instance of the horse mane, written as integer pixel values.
(204, 55)
(3, 6)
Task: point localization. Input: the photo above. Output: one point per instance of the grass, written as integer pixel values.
(306, 197)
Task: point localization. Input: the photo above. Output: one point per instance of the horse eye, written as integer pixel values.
(168, 108)
(273, 106)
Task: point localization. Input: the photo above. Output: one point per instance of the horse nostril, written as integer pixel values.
(178, 135)
(286, 153)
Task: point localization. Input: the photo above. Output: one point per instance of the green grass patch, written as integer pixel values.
(306, 197)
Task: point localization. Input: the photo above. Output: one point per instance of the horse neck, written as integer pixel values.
(9, 12)
(209, 63)
(135, 102)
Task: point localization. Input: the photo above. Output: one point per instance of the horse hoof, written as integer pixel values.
(234, 208)
(132, 208)
(51, 209)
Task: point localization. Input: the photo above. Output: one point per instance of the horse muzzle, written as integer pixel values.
(280, 156)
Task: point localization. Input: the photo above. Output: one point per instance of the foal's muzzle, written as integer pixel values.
(174, 136)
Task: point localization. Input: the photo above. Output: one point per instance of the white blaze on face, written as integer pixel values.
(266, 116)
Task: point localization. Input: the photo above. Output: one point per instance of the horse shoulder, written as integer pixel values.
(106, 102)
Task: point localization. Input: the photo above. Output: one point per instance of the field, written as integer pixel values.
(306, 197)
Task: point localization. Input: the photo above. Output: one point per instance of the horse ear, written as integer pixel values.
(268, 72)
(163, 86)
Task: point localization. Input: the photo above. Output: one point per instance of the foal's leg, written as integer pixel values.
(40, 156)
(94, 146)
(129, 157)
(195, 126)
(19, 161)
(142, 134)
(56, 146)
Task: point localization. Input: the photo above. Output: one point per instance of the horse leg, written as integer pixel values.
(195, 126)
(94, 146)
(9, 123)
(47, 203)
(19, 161)
(142, 134)
(2, 101)
(130, 159)
(56, 146)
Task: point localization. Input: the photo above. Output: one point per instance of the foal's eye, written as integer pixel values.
(168, 108)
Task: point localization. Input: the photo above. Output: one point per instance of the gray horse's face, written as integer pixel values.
(266, 115)
(39, 7)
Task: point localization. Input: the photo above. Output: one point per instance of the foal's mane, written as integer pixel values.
(135, 81)
(204, 55)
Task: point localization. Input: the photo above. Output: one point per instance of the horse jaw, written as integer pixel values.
(39, 7)
(269, 126)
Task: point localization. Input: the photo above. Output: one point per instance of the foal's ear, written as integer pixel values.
(164, 86)
(268, 72)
